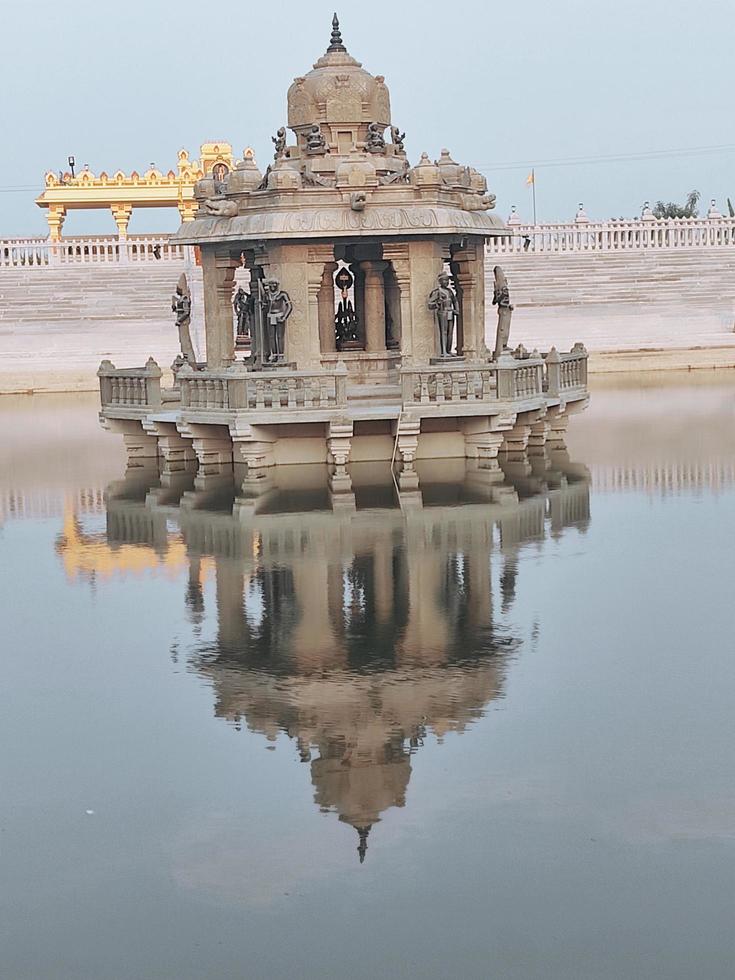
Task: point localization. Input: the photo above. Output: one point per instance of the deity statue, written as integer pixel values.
(278, 308)
(375, 142)
(181, 306)
(501, 299)
(397, 138)
(346, 325)
(279, 142)
(443, 301)
(244, 309)
(219, 174)
(315, 142)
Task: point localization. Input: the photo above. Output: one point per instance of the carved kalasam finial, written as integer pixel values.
(336, 41)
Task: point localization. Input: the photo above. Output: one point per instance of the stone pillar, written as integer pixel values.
(537, 438)
(374, 306)
(121, 213)
(359, 294)
(469, 265)
(218, 274)
(484, 436)
(327, 336)
(397, 254)
(290, 265)
(211, 443)
(393, 309)
(556, 437)
(426, 262)
(321, 295)
(55, 217)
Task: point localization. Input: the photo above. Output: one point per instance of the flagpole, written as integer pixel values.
(533, 185)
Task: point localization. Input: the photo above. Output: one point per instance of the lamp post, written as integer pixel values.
(72, 163)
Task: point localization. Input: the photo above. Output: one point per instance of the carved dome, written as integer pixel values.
(340, 96)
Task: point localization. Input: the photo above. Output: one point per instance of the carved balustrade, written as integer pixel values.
(130, 387)
(240, 390)
(565, 372)
(451, 384)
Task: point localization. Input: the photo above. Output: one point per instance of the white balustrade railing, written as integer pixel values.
(18, 252)
(613, 236)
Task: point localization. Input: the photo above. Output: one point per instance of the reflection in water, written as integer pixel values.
(358, 621)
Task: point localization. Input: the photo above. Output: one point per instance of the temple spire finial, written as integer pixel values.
(336, 43)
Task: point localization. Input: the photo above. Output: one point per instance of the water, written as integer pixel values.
(514, 704)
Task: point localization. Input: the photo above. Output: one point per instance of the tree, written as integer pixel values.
(672, 210)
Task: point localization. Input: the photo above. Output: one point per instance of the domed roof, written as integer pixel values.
(338, 92)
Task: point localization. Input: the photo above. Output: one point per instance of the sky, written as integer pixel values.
(504, 86)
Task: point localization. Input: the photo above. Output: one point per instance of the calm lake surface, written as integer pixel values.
(485, 729)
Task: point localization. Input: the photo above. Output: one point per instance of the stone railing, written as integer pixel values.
(613, 236)
(565, 372)
(89, 251)
(450, 384)
(130, 387)
(237, 389)
(507, 379)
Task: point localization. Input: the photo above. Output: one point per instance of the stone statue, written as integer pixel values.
(358, 200)
(279, 142)
(315, 142)
(219, 175)
(244, 310)
(375, 142)
(346, 325)
(181, 306)
(278, 308)
(397, 138)
(501, 299)
(443, 302)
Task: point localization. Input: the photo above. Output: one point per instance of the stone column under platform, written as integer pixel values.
(211, 443)
(218, 273)
(139, 444)
(515, 443)
(176, 452)
(484, 436)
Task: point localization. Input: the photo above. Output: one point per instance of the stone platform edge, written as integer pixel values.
(600, 362)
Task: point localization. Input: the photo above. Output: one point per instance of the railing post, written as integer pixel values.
(152, 383)
(185, 373)
(506, 370)
(340, 384)
(553, 372)
(105, 382)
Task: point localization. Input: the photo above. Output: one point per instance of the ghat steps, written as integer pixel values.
(658, 300)
(567, 279)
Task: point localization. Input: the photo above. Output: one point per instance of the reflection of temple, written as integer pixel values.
(357, 630)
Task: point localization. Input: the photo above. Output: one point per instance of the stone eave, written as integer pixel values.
(340, 221)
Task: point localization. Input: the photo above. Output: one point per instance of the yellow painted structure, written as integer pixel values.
(122, 192)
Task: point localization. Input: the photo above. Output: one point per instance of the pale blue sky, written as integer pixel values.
(126, 83)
